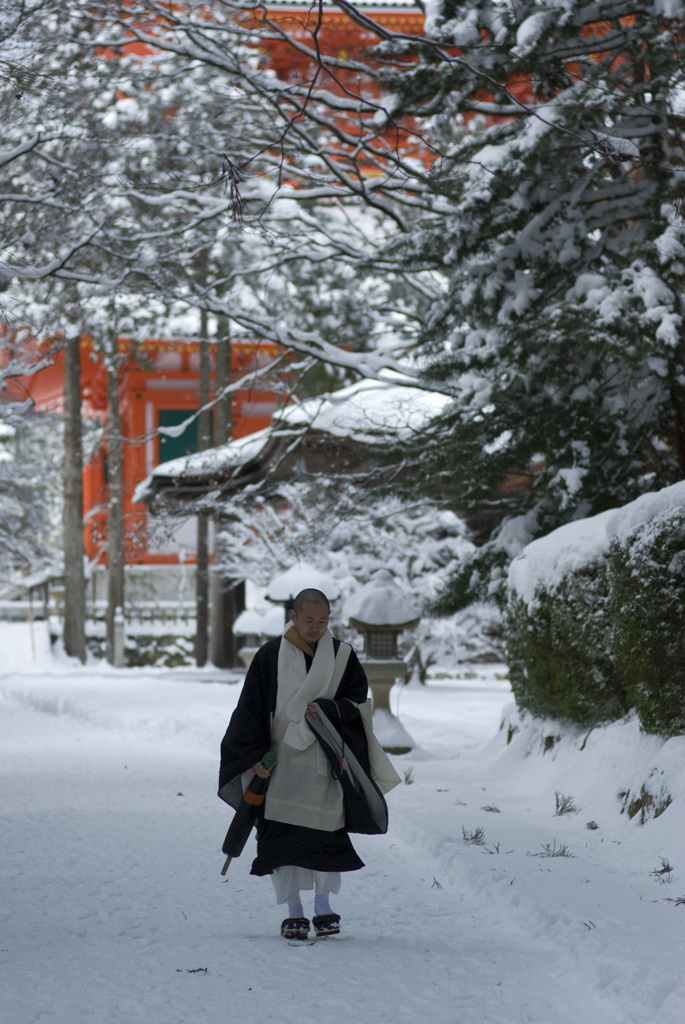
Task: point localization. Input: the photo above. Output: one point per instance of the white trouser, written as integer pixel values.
(289, 880)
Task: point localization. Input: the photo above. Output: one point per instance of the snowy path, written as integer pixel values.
(113, 901)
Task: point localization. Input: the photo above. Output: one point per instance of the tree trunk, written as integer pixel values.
(202, 570)
(74, 579)
(228, 596)
(223, 418)
(228, 601)
(115, 512)
(679, 428)
(202, 590)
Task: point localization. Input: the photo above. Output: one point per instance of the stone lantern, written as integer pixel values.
(380, 611)
(255, 626)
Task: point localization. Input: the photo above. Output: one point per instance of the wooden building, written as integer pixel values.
(158, 388)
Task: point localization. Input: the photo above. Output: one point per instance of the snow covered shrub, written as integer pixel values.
(647, 575)
(559, 654)
(594, 620)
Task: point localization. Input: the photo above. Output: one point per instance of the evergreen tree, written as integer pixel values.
(558, 229)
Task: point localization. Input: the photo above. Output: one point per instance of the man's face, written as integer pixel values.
(312, 622)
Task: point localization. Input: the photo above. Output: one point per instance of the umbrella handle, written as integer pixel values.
(225, 867)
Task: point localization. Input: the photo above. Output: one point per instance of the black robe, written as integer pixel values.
(248, 738)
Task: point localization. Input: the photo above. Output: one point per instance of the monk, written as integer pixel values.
(301, 838)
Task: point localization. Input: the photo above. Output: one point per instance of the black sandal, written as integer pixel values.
(295, 928)
(326, 924)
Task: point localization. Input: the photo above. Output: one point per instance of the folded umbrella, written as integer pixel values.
(246, 812)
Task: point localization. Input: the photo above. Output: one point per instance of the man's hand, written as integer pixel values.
(260, 770)
(313, 710)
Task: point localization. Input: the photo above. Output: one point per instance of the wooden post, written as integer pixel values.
(115, 516)
(228, 601)
(228, 596)
(74, 578)
(202, 567)
(119, 640)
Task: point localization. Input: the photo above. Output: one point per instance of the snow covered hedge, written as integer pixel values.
(595, 617)
(647, 573)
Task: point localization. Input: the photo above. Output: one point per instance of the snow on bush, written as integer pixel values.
(648, 612)
(560, 659)
(594, 617)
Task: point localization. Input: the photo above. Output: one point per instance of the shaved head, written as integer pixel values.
(310, 596)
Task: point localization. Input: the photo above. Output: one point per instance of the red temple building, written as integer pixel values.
(158, 388)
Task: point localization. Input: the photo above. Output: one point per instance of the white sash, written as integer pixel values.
(302, 790)
(296, 686)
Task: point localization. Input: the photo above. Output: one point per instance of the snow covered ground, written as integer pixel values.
(113, 907)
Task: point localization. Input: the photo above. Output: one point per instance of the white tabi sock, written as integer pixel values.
(295, 908)
(322, 904)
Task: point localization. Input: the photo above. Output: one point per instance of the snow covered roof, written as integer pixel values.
(260, 622)
(300, 576)
(381, 602)
(216, 460)
(368, 411)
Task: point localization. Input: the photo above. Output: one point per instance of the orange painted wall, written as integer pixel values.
(164, 376)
